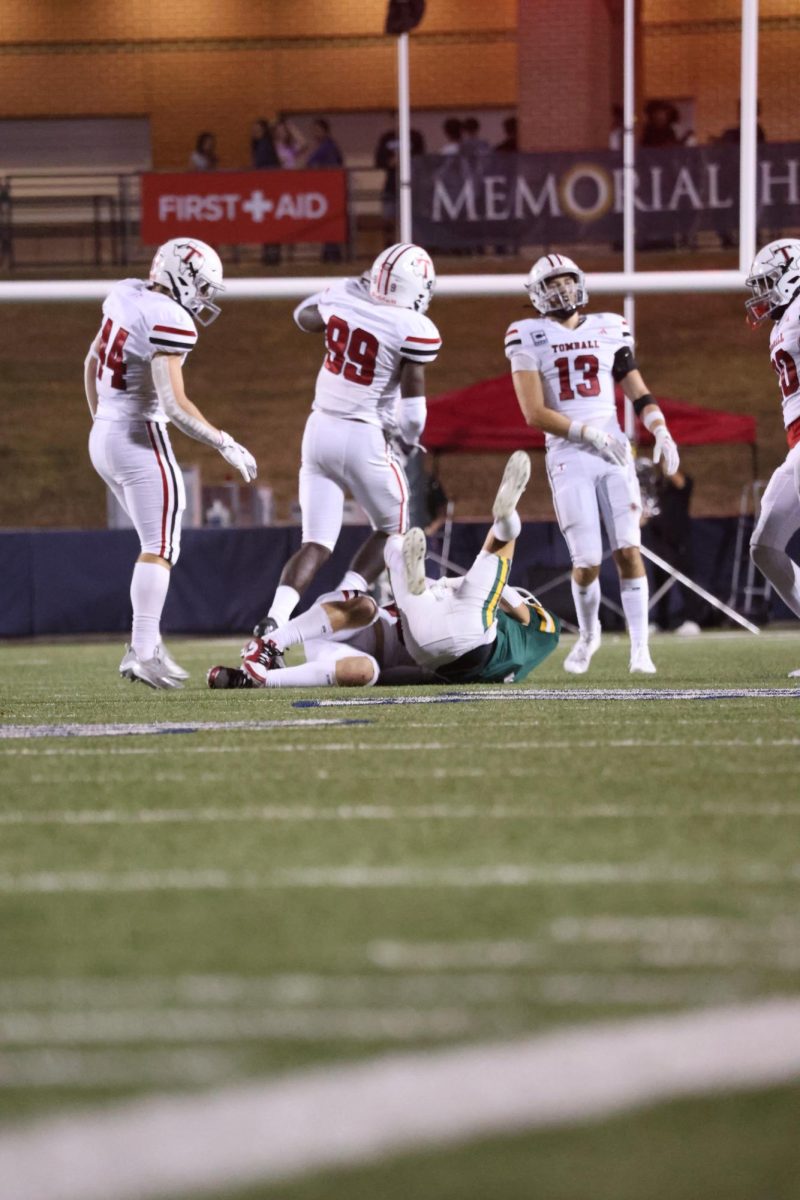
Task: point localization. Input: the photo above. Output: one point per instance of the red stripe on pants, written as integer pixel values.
(163, 551)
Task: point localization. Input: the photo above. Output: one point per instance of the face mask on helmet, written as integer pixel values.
(403, 276)
(556, 286)
(191, 272)
(774, 280)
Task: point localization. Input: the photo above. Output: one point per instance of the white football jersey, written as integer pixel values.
(137, 324)
(784, 353)
(576, 365)
(366, 342)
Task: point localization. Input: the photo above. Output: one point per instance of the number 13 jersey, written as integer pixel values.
(365, 344)
(576, 366)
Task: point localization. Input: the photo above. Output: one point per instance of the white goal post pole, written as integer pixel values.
(404, 137)
(644, 283)
(629, 182)
(748, 120)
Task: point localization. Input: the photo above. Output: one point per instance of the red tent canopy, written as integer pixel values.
(486, 417)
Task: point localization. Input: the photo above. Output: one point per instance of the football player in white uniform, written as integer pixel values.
(133, 376)
(371, 386)
(774, 280)
(565, 365)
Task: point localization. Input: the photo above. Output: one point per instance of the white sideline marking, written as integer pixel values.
(468, 877)
(365, 1112)
(533, 746)
(302, 813)
(76, 729)
(590, 694)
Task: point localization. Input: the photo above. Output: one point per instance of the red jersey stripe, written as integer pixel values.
(172, 329)
(428, 341)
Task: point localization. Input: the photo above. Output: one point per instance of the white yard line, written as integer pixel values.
(591, 695)
(144, 729)
(316, 1119)
(533, 745)
(358, 877)
(344, 813)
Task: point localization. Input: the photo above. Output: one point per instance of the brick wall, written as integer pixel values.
(208, 64)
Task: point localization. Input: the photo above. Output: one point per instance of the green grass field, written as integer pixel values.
(183, 912)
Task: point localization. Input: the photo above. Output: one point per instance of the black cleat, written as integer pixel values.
(228, 677)
(265, 625)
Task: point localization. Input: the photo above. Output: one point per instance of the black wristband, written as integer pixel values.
(641, 403)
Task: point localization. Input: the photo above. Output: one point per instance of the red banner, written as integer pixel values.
(245, 206)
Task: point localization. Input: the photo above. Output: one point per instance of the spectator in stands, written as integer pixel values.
(509, 143)
(453, 130)
(659, 127)
(326, 153)
(290, 145)
(264, 157)
(387, 160)
(731, 137)
(204, 155)
(472, 144)
(726, 222)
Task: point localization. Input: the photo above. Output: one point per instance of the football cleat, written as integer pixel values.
(152, 671)
(258, 658)
(265, 626)
(641, 662)
(513, 484)
(579, 657)
(414, 550)
(176, 671)
(228, 677)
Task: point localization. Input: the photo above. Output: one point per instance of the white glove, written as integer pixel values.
(606, 446)
(237, 456)
(666, 449)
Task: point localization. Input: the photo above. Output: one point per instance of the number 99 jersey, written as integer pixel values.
(365, 343)
(576, 365)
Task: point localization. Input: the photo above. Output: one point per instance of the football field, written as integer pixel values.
(532, 941)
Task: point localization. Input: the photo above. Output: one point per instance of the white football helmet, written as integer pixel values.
(404, 276)
(774, 279)
(192, 274)
(551, 294)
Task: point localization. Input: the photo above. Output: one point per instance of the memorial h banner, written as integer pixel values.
(498, 199)
(245, 206)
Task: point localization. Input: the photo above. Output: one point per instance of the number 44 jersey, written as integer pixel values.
(137, 324)
(366, 343)
(576, 366)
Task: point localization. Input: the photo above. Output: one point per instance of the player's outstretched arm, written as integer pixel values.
(530, 394)
(168, 380)
(651, 416)
(411, 409)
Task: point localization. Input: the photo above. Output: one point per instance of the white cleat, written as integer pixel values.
(176, 671)
(794, 674)
(688, 629)
(152, 671)
(512, 485)
(579, 657)
(414, 550)
(641, 662)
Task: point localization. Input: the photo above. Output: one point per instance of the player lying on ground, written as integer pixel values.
(565, 366)
(472, 629)
(774, 280)
(370, 387)
(133, 377)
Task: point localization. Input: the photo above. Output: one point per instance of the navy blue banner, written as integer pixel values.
(479, 202)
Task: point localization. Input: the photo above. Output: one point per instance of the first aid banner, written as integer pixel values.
(245, 206)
